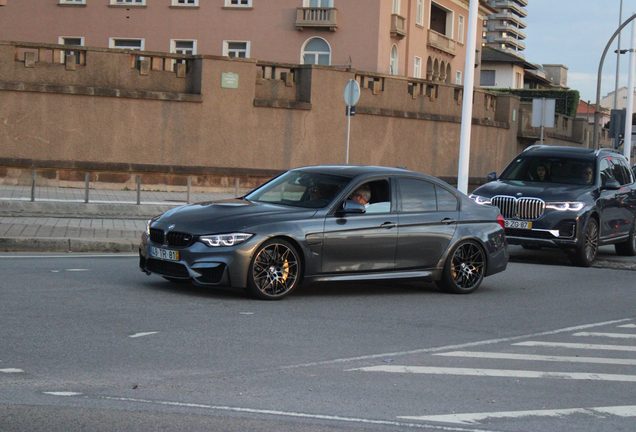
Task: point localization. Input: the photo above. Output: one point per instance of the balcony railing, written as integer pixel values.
(398, 26)
(510, 17)
(507, 28)
(441, 42)
(317, 17)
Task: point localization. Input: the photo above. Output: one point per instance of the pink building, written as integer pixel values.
(414, 38)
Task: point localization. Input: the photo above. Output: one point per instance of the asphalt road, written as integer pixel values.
(90, 343)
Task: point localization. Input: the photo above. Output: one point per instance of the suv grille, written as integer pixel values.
(173, 238)
(519, 208)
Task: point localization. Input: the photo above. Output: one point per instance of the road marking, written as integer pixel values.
(86, 255)
(136, 335)
(578, 346)
(459, 346)
(473, 419)
(532, 357)
(627, 326)
(500, 373)
(296, 414)
(11, 370)
(62, 393)
(608, 335)
(246, 313)
(77, 270)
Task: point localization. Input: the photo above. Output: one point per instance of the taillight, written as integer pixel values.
(501, 221)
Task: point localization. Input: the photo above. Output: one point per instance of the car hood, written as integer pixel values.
(226, 216)
(530, 189)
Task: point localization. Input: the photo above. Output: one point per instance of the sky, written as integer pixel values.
(574, 33)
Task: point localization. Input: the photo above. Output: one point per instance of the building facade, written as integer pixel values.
(414, 38)
(504, 29)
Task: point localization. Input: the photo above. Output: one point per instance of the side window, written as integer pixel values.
(446, 201)
(622, 172)
(606, 171)
(375, 195)
(417, 196)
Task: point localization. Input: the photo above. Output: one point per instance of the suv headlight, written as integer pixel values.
(148, 227)
(224, 239)
(480, 199)
(565, 206)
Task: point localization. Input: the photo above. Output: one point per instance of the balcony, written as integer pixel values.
(398, 26)
(442, 43)
(509, 16)
(315, 17)
(507, 28)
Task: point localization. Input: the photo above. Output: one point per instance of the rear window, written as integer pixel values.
(551, 169)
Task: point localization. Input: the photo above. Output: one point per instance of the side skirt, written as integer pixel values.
(427, 275)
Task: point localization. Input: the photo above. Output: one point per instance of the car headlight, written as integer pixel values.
(224, 239)
(148, 227)
(480, 199)
(565, 206)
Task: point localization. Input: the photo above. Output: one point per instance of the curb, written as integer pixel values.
(52, 244)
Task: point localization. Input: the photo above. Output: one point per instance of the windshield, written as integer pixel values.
(551, 169)
(300, 189)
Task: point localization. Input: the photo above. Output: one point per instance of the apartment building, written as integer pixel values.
(414, 38)
(504, 28)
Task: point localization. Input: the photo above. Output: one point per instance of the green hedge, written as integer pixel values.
(567, 101)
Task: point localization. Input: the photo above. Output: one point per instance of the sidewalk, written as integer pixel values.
(59, 220)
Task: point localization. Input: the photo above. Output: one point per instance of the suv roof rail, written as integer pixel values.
(535, 146)
(607, 149)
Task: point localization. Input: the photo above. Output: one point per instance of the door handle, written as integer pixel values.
(388, 225)
(448, 221)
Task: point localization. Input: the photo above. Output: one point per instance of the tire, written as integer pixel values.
(464, 269)
(175, 280)
(274, 271)
(628, 247)
(585, 255)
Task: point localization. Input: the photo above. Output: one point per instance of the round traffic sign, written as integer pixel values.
(352, 92)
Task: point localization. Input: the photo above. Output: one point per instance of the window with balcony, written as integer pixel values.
(318, 3)
(236, 49)
(441, 20)
(128, 2)
(238, 3)
(72, 2)
(419, 18)
(316, 51)
(393, 65)
(417, 72)
(396, 7)
(192, 3)
(73, 41)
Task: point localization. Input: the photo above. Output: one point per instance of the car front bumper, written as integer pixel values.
(553, 229)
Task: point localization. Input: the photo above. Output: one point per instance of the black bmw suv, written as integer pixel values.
(571, 198)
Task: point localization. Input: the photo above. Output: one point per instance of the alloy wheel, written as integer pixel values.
(591, 242)
(467, 265)
(275, 269)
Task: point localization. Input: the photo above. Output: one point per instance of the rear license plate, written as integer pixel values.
(518, 224)
(166, 254)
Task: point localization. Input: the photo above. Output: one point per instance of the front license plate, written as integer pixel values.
(166, 254)
(518, 224)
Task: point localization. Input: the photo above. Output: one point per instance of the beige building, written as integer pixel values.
(621, 99)
(415, 38)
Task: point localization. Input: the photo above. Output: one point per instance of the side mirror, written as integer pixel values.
(351, 207)
(492, 176)
(611, 184)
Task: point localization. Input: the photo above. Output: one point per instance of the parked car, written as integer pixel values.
(306, 226)
(572, 198)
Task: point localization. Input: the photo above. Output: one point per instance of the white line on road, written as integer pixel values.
(136, 335)
(499, 373)
(62, 393)
(459, 346)
(608, 335)
(11, 370)
(578, 346)
(533, 357)
(627, 326)
(77, 270)
(473, 419)
(295, 414)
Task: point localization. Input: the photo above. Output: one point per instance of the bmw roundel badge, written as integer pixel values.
(171, 226)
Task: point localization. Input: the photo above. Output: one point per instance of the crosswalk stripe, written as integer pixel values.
(472, 419)
(533, 357)
(500, 373)
(627, 326)
(608, 335)
(577, 346)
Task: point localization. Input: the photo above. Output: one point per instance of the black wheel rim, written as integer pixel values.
(275, 269)
(468, 266)
(591, 242)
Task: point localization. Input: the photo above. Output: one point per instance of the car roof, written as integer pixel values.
(546, 150)
(356, 170)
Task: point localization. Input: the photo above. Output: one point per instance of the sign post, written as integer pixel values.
(351, 97)
(543, 113)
